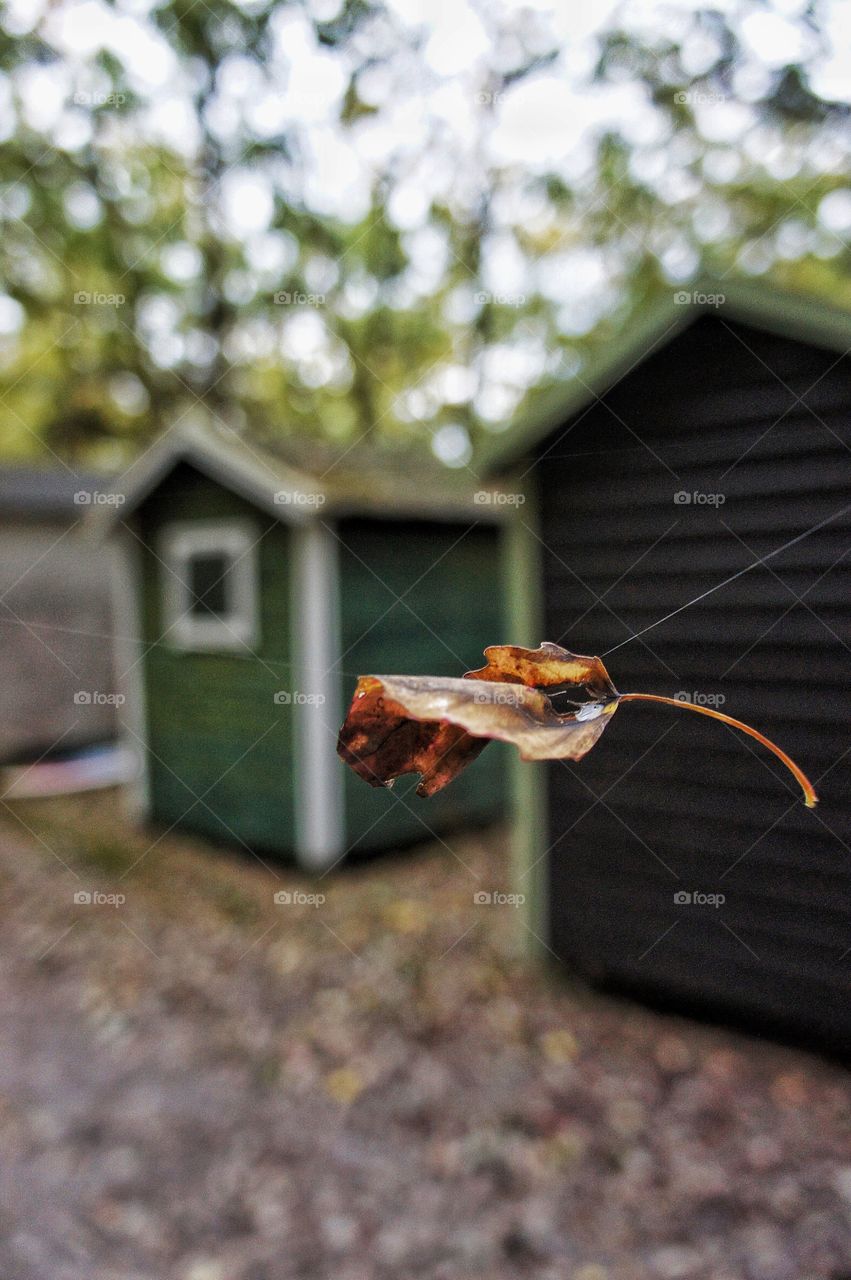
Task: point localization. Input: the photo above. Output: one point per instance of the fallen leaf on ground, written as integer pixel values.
(344, 1084)
(559, 1046)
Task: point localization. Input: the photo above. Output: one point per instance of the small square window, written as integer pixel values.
(209, 585)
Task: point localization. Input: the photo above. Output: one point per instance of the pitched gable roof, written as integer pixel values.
(760, 305)
(48, 493)
(290, 494)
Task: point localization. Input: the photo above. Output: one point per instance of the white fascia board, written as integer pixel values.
(316, 697)
(128, 654)
(288, 496)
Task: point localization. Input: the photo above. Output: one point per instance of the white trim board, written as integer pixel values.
(128, 653)
(269, 484)
(315, 630)
(232, 539)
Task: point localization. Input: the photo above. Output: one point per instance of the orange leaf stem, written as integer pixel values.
(810, 797)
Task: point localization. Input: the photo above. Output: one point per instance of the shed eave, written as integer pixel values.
(495, 510)
(235, 472)
(757, 304)
(294, 498)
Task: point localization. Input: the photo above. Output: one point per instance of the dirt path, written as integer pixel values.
(200, 1084)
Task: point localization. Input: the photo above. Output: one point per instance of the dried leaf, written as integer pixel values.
(344, 1084)
(385, 735)
(559, 1046)
(544, 668)
(436, 726)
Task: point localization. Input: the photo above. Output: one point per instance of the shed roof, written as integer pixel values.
(292, 495)
(759, 304)
(44, 492)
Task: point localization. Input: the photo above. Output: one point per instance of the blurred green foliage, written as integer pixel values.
(131, 293)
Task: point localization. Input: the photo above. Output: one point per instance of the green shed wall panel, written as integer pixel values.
(214, 728)
(420, 598)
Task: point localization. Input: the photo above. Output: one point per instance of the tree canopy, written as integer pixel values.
(382, 223)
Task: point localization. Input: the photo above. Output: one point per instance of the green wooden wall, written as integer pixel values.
(212, 719)
(448, 579)
(414, 597)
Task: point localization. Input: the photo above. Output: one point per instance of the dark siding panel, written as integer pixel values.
(426, 602)
(706, 809)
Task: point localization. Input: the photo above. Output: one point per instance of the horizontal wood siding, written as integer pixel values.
(419, 598)
(671, 802)
(215, 731)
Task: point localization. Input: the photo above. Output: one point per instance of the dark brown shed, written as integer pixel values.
(718, 433)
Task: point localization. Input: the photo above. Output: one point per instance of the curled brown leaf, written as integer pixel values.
(436, 726)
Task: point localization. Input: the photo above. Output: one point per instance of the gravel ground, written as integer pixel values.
(200, 1084)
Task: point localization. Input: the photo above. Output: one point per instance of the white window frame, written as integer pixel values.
(236, 539)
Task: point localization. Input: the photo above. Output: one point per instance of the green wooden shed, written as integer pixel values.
(251, 596)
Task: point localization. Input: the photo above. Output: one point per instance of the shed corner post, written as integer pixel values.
(129, 651)
(315, 635)
(528, 780)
